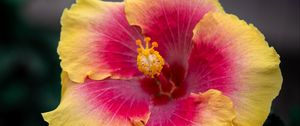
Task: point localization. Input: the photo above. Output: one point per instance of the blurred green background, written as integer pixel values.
(30, 71)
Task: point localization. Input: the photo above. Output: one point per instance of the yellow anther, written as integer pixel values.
(149, 61)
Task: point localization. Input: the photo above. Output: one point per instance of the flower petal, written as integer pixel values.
(233, 57)
(170, 23)
(97, 41)
(210, 108)
(104, 103)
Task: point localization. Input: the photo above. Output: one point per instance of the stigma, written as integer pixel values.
(149, 61)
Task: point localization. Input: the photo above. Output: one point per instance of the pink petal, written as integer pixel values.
(210, 108)
(107, 102)
(209, 68)
(170, 23)
(97, 41)
(233, 57)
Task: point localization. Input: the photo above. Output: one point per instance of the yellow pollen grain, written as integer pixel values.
(149, 61)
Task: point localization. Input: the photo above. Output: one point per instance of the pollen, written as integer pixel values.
(149, 61)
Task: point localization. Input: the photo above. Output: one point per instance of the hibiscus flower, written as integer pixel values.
(162, 63)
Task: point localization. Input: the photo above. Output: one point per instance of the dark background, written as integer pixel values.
(30, 71)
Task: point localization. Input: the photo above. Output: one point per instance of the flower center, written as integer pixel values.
(166, 86)
(149, 61)
(160, 81)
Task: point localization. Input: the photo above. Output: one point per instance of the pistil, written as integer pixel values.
(149, 61)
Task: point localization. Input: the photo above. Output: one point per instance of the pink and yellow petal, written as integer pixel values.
(104, 103)
(209, 68)
(210, 108)
(216, 109)
(247, 67)
(170, 23)
(97, 41)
